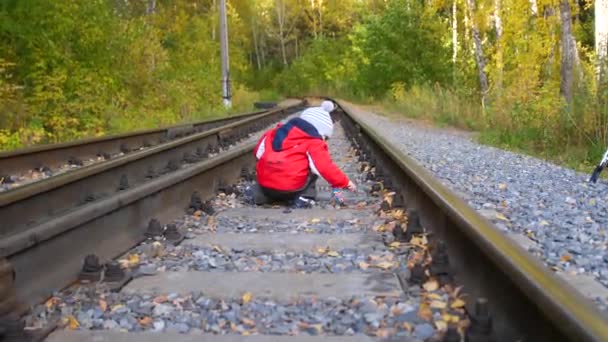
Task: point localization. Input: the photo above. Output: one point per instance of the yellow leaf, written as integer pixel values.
(72, 322)
(441, 325)
(147, 320)
(395, 244)
(437, 304)
(133, 260)
(315, 220)
(248, 321)
(247, 297)
(434, 296)
(333, 254)
(458, 303)
(321, 250)
(501, 217)
(379, 228)
(103, 305)
(431, 285)
(425, 312)
(116, 307)
(385, 265)
(450, 318)
(52, 302)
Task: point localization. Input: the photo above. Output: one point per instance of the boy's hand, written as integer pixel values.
(351, 186)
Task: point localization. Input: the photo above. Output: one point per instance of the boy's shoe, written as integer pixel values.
(302, 203)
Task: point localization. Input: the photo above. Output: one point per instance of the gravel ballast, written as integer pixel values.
(565, 216)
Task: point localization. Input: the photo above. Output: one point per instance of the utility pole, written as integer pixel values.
(224, 47)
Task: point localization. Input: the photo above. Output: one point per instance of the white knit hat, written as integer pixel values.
(320, 119)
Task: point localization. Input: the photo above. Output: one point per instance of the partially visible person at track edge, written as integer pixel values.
(291, 157)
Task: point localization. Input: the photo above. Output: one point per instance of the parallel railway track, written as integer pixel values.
(510, 295)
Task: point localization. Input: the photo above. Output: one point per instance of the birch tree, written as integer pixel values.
(601, 34)
(568, 51)
(478, 51)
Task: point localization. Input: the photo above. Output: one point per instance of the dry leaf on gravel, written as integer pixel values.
(437, 304)
(441, 325)
(395, 244)
(133, 260)
(52, 302)
(458, 303)
(431, 285)
(103, 305)
(145, 321)
(566, 257)
(315, 220)
(247, 297)
(248, 322)
(333, 254)
(385, 265)
(363, 265)
(450, 318)
(425, 312)
(501, 217)
(72, 322)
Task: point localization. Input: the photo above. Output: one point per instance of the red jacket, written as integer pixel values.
(287, 153)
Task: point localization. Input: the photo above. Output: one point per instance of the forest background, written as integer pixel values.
(526, 74)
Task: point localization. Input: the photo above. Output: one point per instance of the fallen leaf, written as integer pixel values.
(501, 217)
(333, 254)
(431, 285)
(425, 312)
(566, 257)
(363, 265)
(502, 186)
(248, 321)
(383, 333)
(450, 318)
(434, 296)
(147, 320)
(315, 220)
(395, 244)
(384, 265)
(72, 322)
(321, 250)
(133, 259)
(437, 304)
(379, 228)
(441, 325)
(116, 307)
(247, 297)
(52, 302)
(458, 303)
(103, 305)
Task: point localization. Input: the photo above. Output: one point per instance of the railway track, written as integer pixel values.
(25, 166)
(405, 260)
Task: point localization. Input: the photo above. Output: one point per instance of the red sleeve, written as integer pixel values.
(326, 167)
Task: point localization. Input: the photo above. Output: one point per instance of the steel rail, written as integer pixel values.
(61, 194)
(527, 301)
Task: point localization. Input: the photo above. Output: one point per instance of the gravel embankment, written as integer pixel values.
(554, 206)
